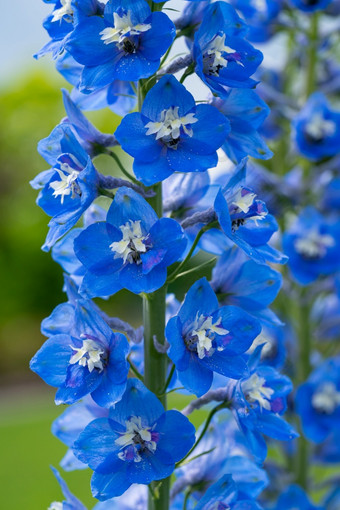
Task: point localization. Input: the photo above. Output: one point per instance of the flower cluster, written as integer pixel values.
(150, 228)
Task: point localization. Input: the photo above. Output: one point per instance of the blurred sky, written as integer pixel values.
(21, 35)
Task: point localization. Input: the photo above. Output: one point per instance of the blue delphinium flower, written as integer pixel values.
(312, 245)
(223, 57)
(181, 192)
(239, 281)
(126, 44)
(138, 443)
(272, 338)
(171, 133)
(260, 16)
(60, 23)
(318, 401)
(258, 402)
(204, 339)
(93, 361)
(294, 497)
(131, 250)
(68, 188)
(231, 456)
(311, 5)
(246, 112)
(224, 494)
(245, 219)
(317, 128)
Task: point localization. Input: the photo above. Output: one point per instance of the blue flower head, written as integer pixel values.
(230, 456)
(258, 403)
(245, 219)
(171, 133)
(204, 339)
(318, 401)
(294, 497)
(312, 245)
(223, 495)
(246, 112)
(311, 5)
(93, 361)
(242, 282)
(317, 128)
(131, 250)
(223, 57)
(68, 188)
(260, 17)
(138, 443)
(126, 44)
(60, 23)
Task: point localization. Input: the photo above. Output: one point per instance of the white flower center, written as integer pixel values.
(122, 29)
(204, 329)
(169, 127)
(255, 391)
(215, 56)
(132, 244)
(243, 200)
(55, 506)
(68, 184)
(136, 440)
(268, 345)
(326, 399)
(314, 244)
(90, 355)
(319, 127)
(65, 10)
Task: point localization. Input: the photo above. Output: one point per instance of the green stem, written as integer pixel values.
(205, 265)
(156, 363)
(312, 55)
(135, 371)
(122, 168)
(212, 413)
(191, 251)
(167, 382)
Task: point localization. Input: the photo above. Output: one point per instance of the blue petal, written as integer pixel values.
(92, 247)
(78, 383)
(196, 377)
(178, 352)
(175, 445)
(52, 359)
(151, 173)
(200, 299)
(60, 321)
(234, 367)
(131, 134)
(129, 205)
(85, 43)
(106, 486)
(94, 285)
(137, 401)
(276, 427)
(167, 93)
